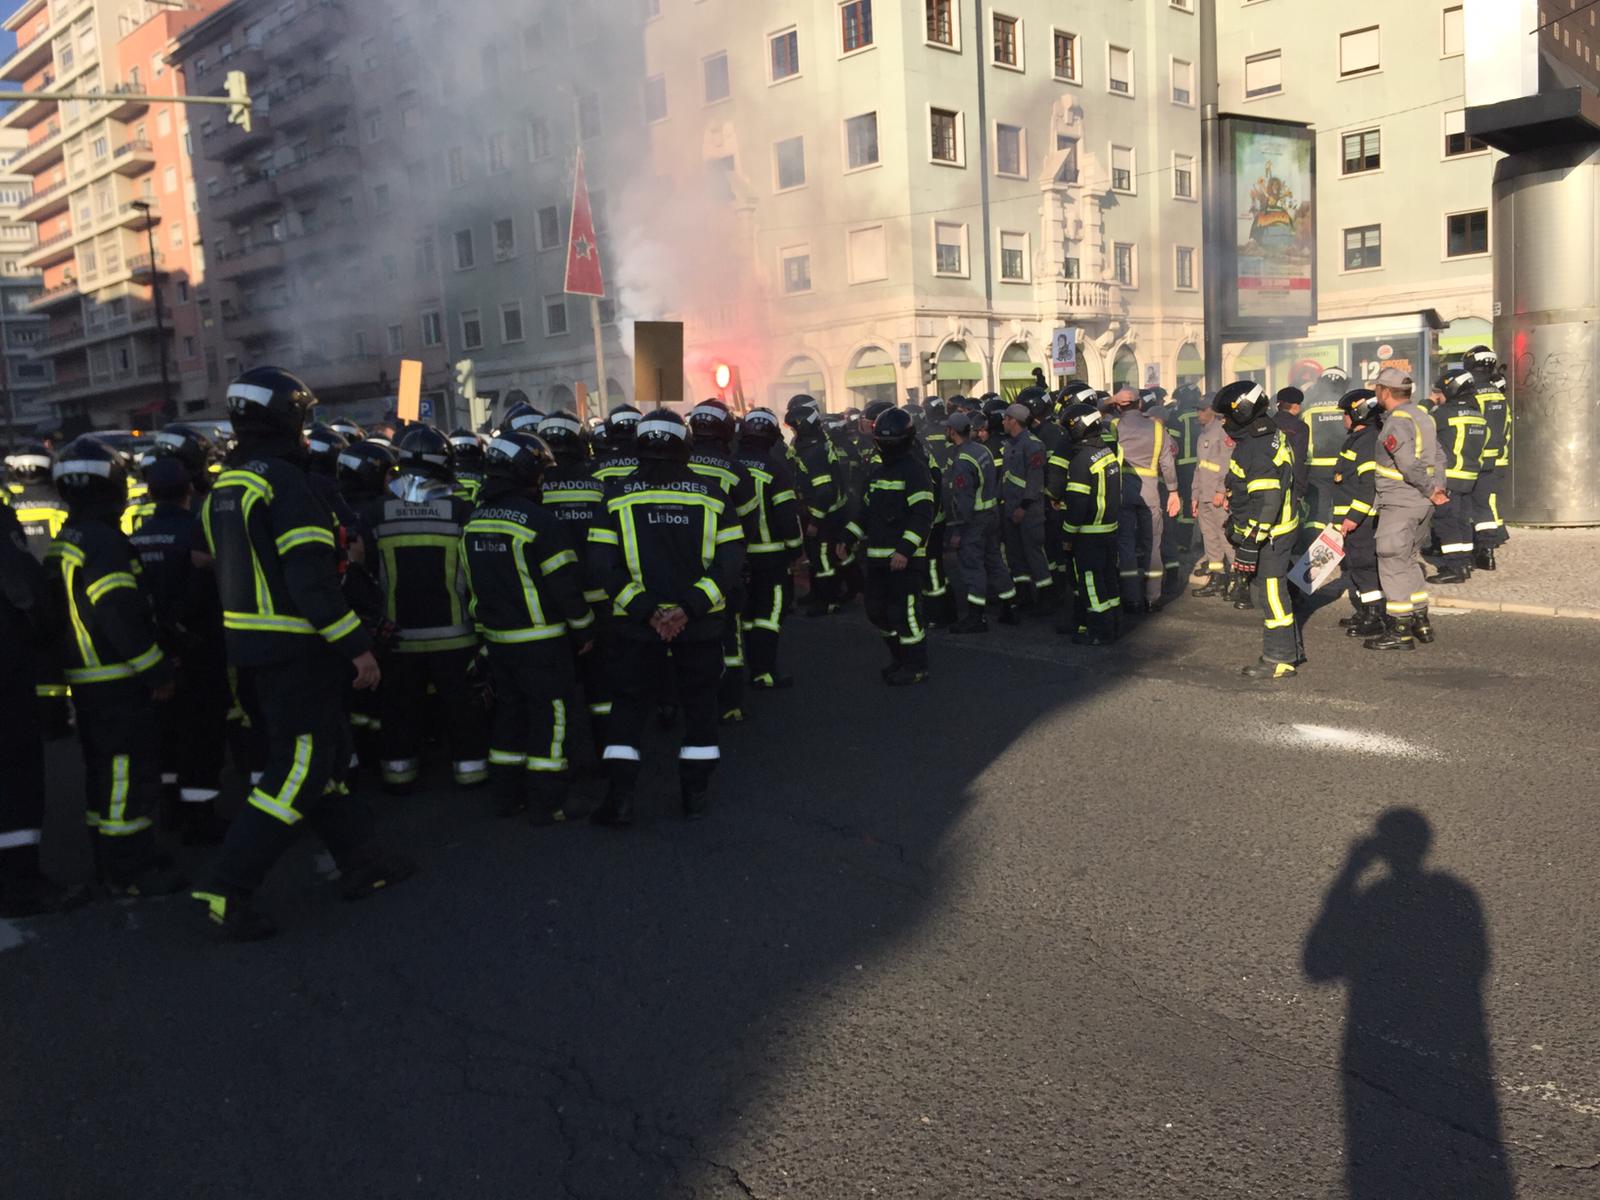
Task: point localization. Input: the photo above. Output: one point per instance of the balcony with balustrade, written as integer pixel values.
(53, 249)
(330, 167)
(45, 202)
(243, 201)
(133, 157)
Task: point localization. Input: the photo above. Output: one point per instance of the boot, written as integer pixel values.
(1452, 575)
(616, 810)
(1214, 585)
(1396, 636)
(1483, 559)
(694, 791)
(1153, 606)
(547, 804)
(974, 622)
(235, 920)
(1008, 613)
(771, 682)
(1358, 615)
(159, 876)
(200, 824)
(1421, 627)
(372, 877)
(1241, 596)
(1368, 623)
(905, 676)
(1025, 599)
(1265, 668)
(1048, 604)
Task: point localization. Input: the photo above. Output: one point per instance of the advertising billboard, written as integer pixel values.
(1269, 225)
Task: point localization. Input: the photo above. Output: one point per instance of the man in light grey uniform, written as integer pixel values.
(1209, 506)
(1409, 486)
(1149, 460)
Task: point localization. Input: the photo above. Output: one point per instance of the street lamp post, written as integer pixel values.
(168, 410)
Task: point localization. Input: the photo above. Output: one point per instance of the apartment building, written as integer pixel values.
(108, 183)
(1403, 194)
(868, 182)
(25, 406)
(318, 237)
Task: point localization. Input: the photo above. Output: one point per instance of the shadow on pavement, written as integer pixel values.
(1411, 948)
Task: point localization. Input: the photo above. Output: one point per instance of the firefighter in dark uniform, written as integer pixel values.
(1286, 416)
(615, 449)
(1462, 433)
(1355, 509)
(936, 413)
(711, 432)
(1091, 511)
(295, 643)
(527, 602)
(1183, 427)
(520, 417)
(1024, 513)
(347, 429)
(115, 668)
(893, 525)
(31, 498)
(468, 449)
(1489, 532)
(1041, 407)
(416, 539)
(772, 542)
(362, 473)
(938, 605)
(820, 483)
(571, 491)
(973, 490)
(668, 548)
(177, 577)
(1324, 418)
(1263, 520)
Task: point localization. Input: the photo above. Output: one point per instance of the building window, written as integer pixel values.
(495, 145)
(432, 332)
(425, 259)
(1467, 233)
(465, 260)
(1007, 52)
(549, 227)
(1067, 147)
(1358, 52)
(1183, 176)
(1183, 268)
(1014, 257)
(1183, 83)
(1119, 70)
(861, 141)
(555, 316)
(1183, 5)
(796, 269)
(655, 98)
(868, 253)
(1122, 169)
(1362, 151)
(945, 133)
(1066, 56)
(785, 54)
(716, 75)
(855, 24)
(511, 321)
(539, 138)
(941, 23)
(789, 156)
(457, 160)
(949, 248)
(1009, 155)
(505, 239)
(397, 338)
(1451, 43)
(1456, 139)
(1263, 74)
(471, 330)
(1123, 264)
(1363, 248)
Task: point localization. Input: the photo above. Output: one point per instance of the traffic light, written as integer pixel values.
(930, 372)
(730, 389)
(466, 377)
(239, 92)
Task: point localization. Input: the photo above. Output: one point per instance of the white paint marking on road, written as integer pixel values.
(1353, 741)
(10, 936)
(1554, 1093)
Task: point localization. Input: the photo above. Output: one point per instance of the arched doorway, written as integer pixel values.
(1191, 367)
(802, 375)
(958, 375)
(560, 397)
(1124, 369)
(871, 377)
(1016, 370)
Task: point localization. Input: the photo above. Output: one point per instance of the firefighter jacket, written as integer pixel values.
(974, 485)
(1185, 430)
(1213, 449)
(277, 560)
(40, 512)
(417, 534)
(1355, 478)
(1326, 423)
(1093, 490)
(772, 531)
(821, 484)
(1407, 457)
(1261, 503)
(29, 618)
(667, 537)
(1146, 450)
(468, 485)
(573, 494)
(1463, 435)
(526, 583)
(1496, 410)
(182, 596)
(1022, 473)
(1299, 437)
(897, 507)
(109, 636)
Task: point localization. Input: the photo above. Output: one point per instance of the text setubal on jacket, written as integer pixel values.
(277, 562)
(897, 507)
(773, 527)
(417, 533)
(1093, 500)
(524, 573)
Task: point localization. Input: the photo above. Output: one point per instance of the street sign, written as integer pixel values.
(1063, 353)
(425, 410)
(409, 402)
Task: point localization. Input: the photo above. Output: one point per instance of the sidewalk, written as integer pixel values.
(1543, 572)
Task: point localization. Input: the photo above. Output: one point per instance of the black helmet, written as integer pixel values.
(563, 434)
(1335, 375)
(364, 468)
(893, 430)
(425, 451)
(1037, 401)
(1187, 397)
(622, 425)
(1081, 421)
(1360, 405)
(760, 428)
(870, 414)
(1240, 404)
(347, 429)
(711, 421)
(88, 471)
(268, 401)
(1458, 385)
(1149, 398)
(519, 457)
(918, 417)
(521, 417)
(937, 410)
(325, 446)
(469, 450)
(799, 402)
(1076, 391)
(29, 463)
(1480, 360)
(803, 418)
(191, 446)
(662, 434)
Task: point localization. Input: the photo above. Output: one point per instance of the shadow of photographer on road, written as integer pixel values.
(1421, 1115)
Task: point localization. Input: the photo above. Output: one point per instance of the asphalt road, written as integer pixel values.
(1052, 925)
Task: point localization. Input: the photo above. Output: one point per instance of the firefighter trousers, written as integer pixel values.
(1139, 539)
(768, 599)
(194, 725)
(1453, 525)
(1097, 599)
(405, 709)
(894, 605)
(1402, 532)
(120, 732)
(22, 780)
(981, 563)
(1281, 637)
(637, 665)
(1217, 555)
(533, 682)
(1024, 545)
(1361, 564)
(826, 585)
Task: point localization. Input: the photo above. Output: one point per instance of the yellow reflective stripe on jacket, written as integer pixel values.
(510, 529)
(306, 535)
(573, 496)
(265, 623)
(109, 671)
(342, 628)
(109, 583)
(556, 561)
(535, 633)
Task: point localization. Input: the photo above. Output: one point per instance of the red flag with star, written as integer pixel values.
(583, 252)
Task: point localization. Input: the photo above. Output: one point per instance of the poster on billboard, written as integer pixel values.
(1268, 195)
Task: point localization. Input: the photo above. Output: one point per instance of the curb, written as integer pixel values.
(1521, 610)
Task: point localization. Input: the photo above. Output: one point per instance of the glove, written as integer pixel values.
(1245, 558)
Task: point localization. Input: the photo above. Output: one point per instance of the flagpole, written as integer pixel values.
(594, 301)
(599, 355)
